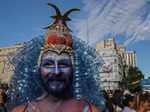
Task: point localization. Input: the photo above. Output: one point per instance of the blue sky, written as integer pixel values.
(20, 20)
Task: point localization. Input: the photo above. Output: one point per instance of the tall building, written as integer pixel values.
(6, 68)
(131, 58)
(115, 57)
(110, 43)
(111, 72)
(128, 57)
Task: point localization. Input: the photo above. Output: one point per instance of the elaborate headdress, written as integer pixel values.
(58, 37)
(26, 83)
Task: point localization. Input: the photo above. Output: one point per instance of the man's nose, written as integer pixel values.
(57, 69)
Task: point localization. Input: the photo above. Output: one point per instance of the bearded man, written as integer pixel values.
(66, 72)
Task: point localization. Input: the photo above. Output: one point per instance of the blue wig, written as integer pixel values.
(26, 83)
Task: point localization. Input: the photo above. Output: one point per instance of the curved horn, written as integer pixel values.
(46, 27)
(55, 7)
(69, 11)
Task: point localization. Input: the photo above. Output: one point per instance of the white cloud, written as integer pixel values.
(103, 17)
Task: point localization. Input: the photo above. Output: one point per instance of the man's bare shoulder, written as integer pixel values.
(95, 109)
(19, 108)
(78, 106)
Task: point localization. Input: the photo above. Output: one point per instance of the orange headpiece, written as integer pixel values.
(58, 43)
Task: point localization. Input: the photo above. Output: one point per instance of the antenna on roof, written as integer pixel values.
(87, 31)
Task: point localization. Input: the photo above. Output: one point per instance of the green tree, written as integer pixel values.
(133, 79)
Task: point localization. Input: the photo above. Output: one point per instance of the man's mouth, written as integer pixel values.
(56, 80)
(56, 84)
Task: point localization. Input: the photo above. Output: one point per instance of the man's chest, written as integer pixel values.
(56, 108)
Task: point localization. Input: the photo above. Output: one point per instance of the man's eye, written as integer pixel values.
(49, 64)
(64, 64)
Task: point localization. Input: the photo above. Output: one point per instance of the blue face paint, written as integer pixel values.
(52, 65)
(56, 71)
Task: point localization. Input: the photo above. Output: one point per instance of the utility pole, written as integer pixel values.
(87, 32)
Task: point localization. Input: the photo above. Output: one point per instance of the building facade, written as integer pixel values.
(111, 72)
(6, 68)
(110, 43)
(131, 58)
(128, 57)
(116, 58)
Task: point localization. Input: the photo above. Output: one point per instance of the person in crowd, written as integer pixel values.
(129, 103)
(108, 103)
(144, 103)
(117, 101)
(4, 95)
(2, 105)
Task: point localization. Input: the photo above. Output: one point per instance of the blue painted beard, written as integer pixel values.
(57, 86)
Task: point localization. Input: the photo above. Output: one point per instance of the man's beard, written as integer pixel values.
(58, 86)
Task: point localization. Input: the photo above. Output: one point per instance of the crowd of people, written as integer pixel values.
(127, 102)
(117, 101)
(114, 102)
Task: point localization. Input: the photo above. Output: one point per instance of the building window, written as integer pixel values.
(115, 60)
